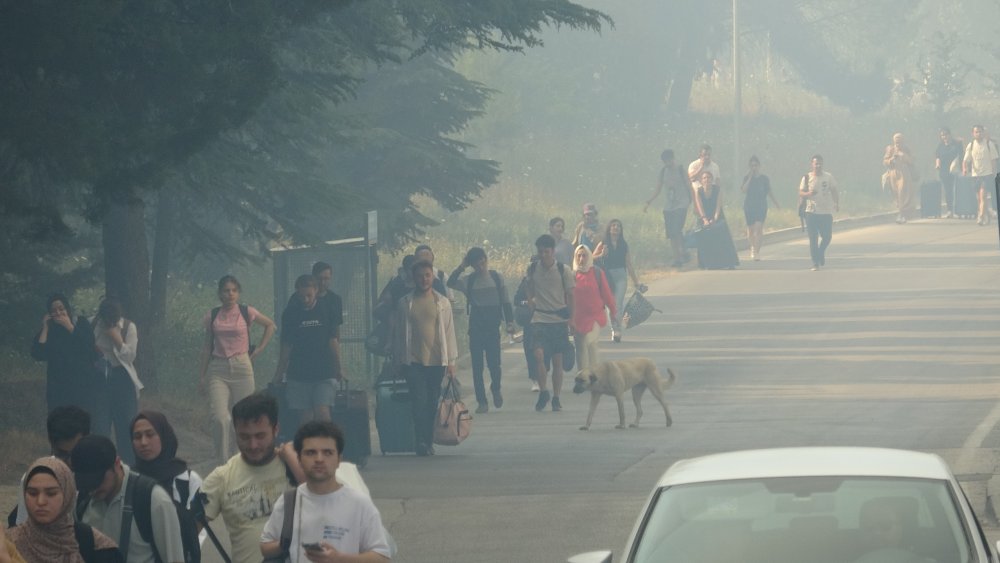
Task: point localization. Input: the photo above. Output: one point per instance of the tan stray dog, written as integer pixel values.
(615, 377)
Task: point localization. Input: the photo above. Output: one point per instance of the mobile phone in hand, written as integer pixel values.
(312, 546)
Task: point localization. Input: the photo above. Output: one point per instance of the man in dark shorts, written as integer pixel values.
(310, 342)
(678, 199)
(550, 296)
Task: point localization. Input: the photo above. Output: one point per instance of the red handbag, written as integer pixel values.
(453, 422)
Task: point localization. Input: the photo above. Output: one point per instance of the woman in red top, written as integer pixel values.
(591, 296)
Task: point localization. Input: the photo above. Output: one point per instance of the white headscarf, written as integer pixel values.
(587, 261)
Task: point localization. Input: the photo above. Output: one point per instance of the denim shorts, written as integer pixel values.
(302, 395)
(550, 337)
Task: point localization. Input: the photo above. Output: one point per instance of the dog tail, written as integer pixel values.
(670, 379)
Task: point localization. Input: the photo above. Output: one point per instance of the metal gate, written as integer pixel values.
(354, 264)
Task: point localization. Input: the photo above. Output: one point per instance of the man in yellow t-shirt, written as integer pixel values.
(245, 488)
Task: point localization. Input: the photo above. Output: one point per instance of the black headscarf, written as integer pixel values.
(167, 465)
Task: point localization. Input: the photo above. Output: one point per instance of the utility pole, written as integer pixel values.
(737, 94)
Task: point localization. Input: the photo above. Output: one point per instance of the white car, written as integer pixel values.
(816, 505)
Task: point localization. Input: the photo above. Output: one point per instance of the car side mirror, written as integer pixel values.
(591, 557)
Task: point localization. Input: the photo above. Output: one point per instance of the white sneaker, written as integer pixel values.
(948, 215)
(534, 387)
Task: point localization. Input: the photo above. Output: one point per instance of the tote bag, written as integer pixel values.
(453, 422)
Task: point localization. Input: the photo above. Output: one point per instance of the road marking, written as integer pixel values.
(976, 438)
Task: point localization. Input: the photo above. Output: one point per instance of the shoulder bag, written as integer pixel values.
(453, 422)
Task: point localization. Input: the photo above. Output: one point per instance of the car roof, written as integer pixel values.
(806, 462)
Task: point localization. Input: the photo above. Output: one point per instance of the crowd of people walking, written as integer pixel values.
(104, 448)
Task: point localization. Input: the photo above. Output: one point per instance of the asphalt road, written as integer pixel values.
(893, 344)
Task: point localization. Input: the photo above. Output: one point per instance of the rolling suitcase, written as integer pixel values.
(716, 250)
(350, 413)
(394, 416)
(966, 204)
(930, 199)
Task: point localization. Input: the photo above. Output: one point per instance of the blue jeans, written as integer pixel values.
(618, 277)
(485, 342)
(122, 408)
(819, 225)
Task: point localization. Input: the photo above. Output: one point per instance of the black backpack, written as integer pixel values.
(138, 505)
(85, 539)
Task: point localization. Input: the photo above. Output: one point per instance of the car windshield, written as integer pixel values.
(805, 519)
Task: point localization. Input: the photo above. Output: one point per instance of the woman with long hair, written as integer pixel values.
(49, 534)
(715, 247)
(757, 188)
(66, 345)
(614, 255)
(117, 340)
(154, 443)
(226, 363)
(591, 296)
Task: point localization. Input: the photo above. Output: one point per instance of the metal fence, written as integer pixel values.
(354, 264)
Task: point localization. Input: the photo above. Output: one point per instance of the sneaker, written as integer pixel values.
(497, 399)
(483, 408)
(948, 215)
(556, 405)
(543, 399)
(753, 255)
(815, 268)
(534, 387)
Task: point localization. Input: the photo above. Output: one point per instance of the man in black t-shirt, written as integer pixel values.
(310, 351)
(947, 151)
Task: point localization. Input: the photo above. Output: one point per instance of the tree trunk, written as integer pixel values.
(126, 273)
(164, 237)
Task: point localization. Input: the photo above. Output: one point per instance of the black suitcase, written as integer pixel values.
(966, 203)
(716, 250)
(350, 413)
(394, 416)
(930, 199)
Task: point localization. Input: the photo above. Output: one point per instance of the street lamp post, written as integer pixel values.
(737, 92)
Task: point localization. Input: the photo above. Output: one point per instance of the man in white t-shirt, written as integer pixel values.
(704, 162)
(329, 521)
(980, 162)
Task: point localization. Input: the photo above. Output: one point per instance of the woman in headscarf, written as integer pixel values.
(591, 296)
(155, 445)
(49, 534)
(901, 172)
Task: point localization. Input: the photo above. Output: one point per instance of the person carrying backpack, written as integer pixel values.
(225, 367)
(488, 307)
(131, 509)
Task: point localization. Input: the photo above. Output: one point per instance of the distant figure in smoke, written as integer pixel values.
(757, 188)
(980, 162)
(703, 163)
(948, 163)
(678, 199)
(819, 189)
(902, 176)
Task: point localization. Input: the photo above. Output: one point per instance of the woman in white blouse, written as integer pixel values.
(117, 339)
